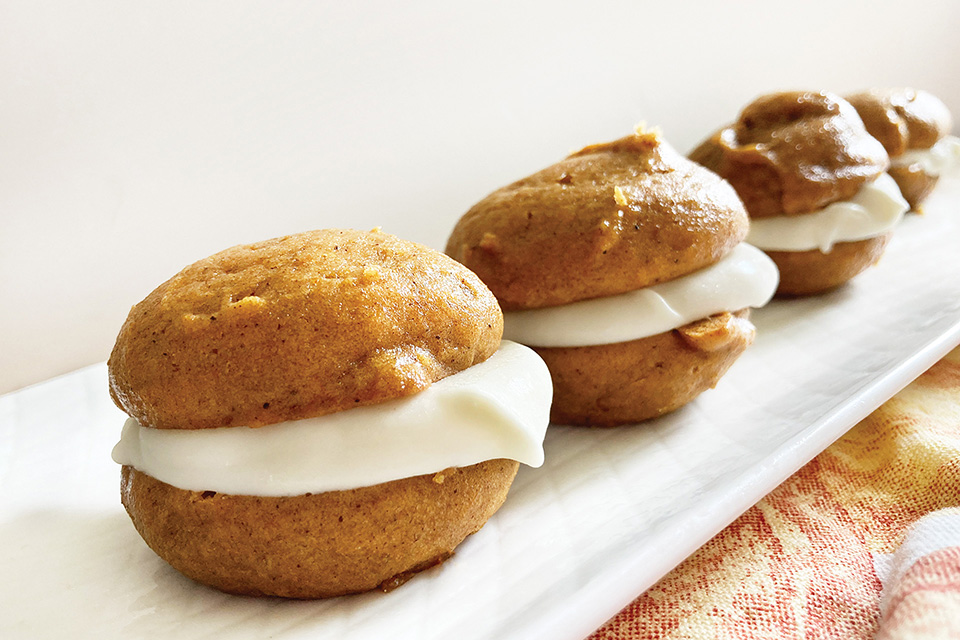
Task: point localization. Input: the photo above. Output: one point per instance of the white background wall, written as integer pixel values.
(136, 137)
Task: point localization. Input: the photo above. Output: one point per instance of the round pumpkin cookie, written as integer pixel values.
(913, 126)
(600, 258)
(344, 318)
(812, 180)
(610, 218)
(304, 413)
(804, 273)
(315, 545)
(600, 386)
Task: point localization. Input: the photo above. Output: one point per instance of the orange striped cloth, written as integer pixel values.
(823, 555)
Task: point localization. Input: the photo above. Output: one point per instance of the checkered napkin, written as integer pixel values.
(863, 542)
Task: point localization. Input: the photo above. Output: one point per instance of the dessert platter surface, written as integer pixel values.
(609, 513)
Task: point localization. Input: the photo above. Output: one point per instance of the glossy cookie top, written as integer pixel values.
(903, 119)
(793, 153)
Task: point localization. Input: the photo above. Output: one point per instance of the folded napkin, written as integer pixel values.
(828, 554)
(921, 581)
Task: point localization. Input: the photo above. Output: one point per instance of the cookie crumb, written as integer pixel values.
(619, 197)
(654, 134)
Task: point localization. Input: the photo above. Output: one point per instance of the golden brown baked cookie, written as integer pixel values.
(915, 184)
(315, 546)
(792, 154)
(299, 327)
(612, 384)
(611, 218)
(805, 273)
(905, 119)
(344, 319)
(902, 119)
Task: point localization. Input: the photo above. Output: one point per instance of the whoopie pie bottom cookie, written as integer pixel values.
(315, 545)
(612, 384)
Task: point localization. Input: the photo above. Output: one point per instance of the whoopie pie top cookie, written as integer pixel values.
(794, 152)
(902, 119)
(611, 218)
(299, 326)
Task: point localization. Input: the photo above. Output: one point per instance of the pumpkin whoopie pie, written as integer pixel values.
(913, 126)
(320, 414)
(812, 180)
(622, 266)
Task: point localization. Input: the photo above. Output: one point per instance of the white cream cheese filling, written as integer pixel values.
(943, 157)
(745, 277)
(499, 408)
(875, 209)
